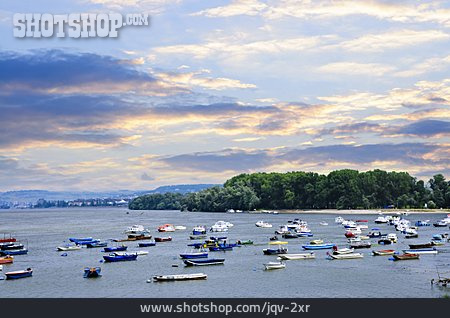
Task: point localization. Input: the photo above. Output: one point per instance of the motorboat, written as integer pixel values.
(163, 239)
(339, 220)
(136, 230)
(179, 227)
(346, 256)
(323, 223)
(405, 257)
(381, 220)
(263, 224)
(221, 226)
(198, 230)
(274, 265)
(276, 251)
(19, 274)
(193, 255)
(296, 256)
(14, 252)
(421, 245)
(289, 235)
(204, 262)
(11, 246)
(83, 240)
(96, 244)
(440, 223)
(68, 248)
(337, 251)
(316, 242)
(116, 257)
(115, 249)
(373, 234)
(7, 259)
(197, 236)
(166, 228)
(431, 250)
(383, 252)
(318, 246)
(360, 245)
(422, 223)
(92, 272)
(392, 237)
(146, 244)
(178, 277)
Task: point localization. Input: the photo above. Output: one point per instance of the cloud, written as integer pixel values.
(356, 69)
(146, 177)
(236, 7)
(426, 128)
(151, 6)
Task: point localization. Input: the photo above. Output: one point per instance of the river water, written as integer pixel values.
(242, 275)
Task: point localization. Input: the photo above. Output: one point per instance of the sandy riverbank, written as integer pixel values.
(356, 212)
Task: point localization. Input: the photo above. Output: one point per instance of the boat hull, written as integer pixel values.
(19, 274)
(204, 262)
(318, 246)
(173, 278)
(120, 258)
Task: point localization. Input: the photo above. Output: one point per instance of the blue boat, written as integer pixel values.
(304, 234)
(221, 247)
(275, 251)
(194, 255)
(81, 239)
(146, 244)
(120, 257)
(115, 248)
(204, 262)
(92, 272)
(13, 252)
(11, 246)
(19, 274)
(318, 246)
(96, 244)
(196, 245)
(422, 223)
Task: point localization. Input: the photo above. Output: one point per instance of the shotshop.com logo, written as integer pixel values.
(74, 25)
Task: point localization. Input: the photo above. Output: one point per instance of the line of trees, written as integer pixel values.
(340, 189)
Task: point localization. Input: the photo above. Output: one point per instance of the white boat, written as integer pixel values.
(221, 226)
(128, 253)
(431, 250)
(230, 211)
(381, 219)
(323, 223)
(1, 268)
(166, 228)
(263, 224)
(339, 220)
(341, 251)
(68, 248)
(161, 278)
(296, 256)
(136, 230)
(392, 237)
(346, 256)
(274, 265)
(179, 227)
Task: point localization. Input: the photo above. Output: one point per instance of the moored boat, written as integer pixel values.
(163, 239)
(360, 245)
(405, 257)
(274, 265)
(69, 248)
(431, 250)
(166, 228)
(337, 251)
(204, 262)
(421, 245)
(11, 246)
(315, 242)
(146, 244)
(82, 240)
(115, 257)
(14, 252)
(383, 252)
(19, 274)
(96, 244)
(115, 248)
(7, 259)
(193, 255)
(7, 238)
(178, 277)
(346, 256)
(263, 224)
(297, 256)
(289, 235)
(318, 246)
(92, 272)
(197, 236)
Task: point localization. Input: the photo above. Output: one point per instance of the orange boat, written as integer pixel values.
(166, 228)
(6, 260)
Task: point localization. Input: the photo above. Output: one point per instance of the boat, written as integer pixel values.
(92, 272)
(146, 244)
(14, 252)
(375, 234)
(304, 234)
(317, 246)
(19, 274)
(204, 262)
(440, 223)
(274, 265)
(405, 257)
(193, 255)
(246, 242)
(11, 246)
(221, 247)
(129, 253)
(431, 250)
(136, 230)
(297, 256)
(345, 256)
(68, 248)
(263, 224)
(179, 227)
(381, 220)
(1, 268)
(6, 239)
(421, 245)
(339, 220)
(115, 248)
(166, 228)
(7, 259)
(422, 223)
(316, 242)
(198, 230)
(221, 226)
(289, 235)
(163, 239)
(392, 237)
(323, 223)
(337, 251)
(96, 244)
(383, 252)
(178, 277)
(197, 236)
(135, 238)
(116, 257)
(361, 245)
(273, 238)
(408, 236)
(82, 240)
(384, 241)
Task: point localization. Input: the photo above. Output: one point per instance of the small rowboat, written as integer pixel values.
(115, 249)
(180, 277)
(19, 274)
(405, 257)
(318, 246)
(296, 256)
(204, 262)
(194, 255)
(11, 246)
(120, 257)
(346, 256)
(246, 242)
(341, 251)
(197, 236)
(313, 242)
(7, 259)
(361, 245)
(163, 239)
(274, 265)
(96, 244)
(83, 240)
(422, 245)
(68, 248)
(430, 250)
(383, 252)
(92, 272)
(289, 235)
(14, 252)
(146, 244)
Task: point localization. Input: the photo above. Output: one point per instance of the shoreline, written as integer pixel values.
(357, 212)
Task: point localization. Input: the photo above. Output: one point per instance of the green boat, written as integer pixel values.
(247, 242)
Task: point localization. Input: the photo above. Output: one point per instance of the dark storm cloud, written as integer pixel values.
(426, 128)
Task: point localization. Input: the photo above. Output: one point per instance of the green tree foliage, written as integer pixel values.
(340, 189)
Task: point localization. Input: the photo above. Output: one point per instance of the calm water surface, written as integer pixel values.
(242, 275)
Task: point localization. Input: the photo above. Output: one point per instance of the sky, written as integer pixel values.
(212, 89)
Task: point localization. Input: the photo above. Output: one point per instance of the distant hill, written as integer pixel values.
(34, 195)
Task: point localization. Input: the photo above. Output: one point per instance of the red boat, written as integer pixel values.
(349, 234)
(7, 259)
(405, 257)
(163, 239)
(361, 221)
(9, 239)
